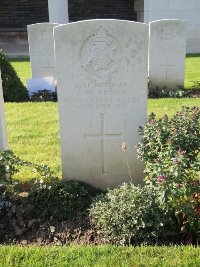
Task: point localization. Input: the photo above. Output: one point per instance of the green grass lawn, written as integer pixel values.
(192, 69)
(101, 256)
(22, 67)
(33, 129)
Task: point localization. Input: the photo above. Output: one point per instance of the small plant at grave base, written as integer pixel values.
(132, 214)
(13, 89)
(13, 191)
(5, 201)
(48, 195)
(44, 95)
(195, 90)
(10, 164)
(196, 85)
(170, 149)
(157, 92)
(62, 199)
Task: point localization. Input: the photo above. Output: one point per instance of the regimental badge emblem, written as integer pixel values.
(101, 54)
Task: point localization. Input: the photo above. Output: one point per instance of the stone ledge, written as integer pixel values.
(13, 32)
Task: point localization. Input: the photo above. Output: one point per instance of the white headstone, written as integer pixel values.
(37, 84)
(3, 134)
(58, 11)
(102, 72)
(167, 51)
(187, 10)
(41, 48)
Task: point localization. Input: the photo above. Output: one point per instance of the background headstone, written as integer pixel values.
(41, 48)
(101, 68)
(36, 84)
(186, 10)
(167, 51)
(3, 133)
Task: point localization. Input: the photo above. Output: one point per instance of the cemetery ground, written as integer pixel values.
(33, 132)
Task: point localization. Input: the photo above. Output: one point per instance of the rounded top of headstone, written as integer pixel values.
(171, 21)
(93, 21)
(42, 25)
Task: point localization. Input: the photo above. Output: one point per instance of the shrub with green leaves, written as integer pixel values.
(11, 164)
(48, 195)
(170, 149)
(13, 89)
(43, 96)
(178, 92)
(62, 199)
(131, 215)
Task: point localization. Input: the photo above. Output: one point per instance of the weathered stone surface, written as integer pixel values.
(167, 52)
(41, 48)
(101, 68)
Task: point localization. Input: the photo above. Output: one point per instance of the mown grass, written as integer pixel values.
(101, 256)
(33, 134)
(33, 129)
(22, 67)
(192, 69)
(170, 106)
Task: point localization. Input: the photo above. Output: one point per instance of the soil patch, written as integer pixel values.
(19, 226)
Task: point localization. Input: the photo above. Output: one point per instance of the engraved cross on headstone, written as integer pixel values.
(166, 65)
(102, 135)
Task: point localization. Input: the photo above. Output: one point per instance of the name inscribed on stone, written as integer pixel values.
(97, 95)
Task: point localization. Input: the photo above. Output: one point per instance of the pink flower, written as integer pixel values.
(181, 152)
(175, 161)
(161, 178)
(152, 121)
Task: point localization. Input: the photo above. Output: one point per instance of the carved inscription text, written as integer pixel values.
(101, 96)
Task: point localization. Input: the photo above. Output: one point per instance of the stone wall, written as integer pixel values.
(139, 9)
(17, 14)
(94, 9)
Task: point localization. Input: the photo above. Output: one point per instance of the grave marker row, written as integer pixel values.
(167, 49)
(102, 75)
